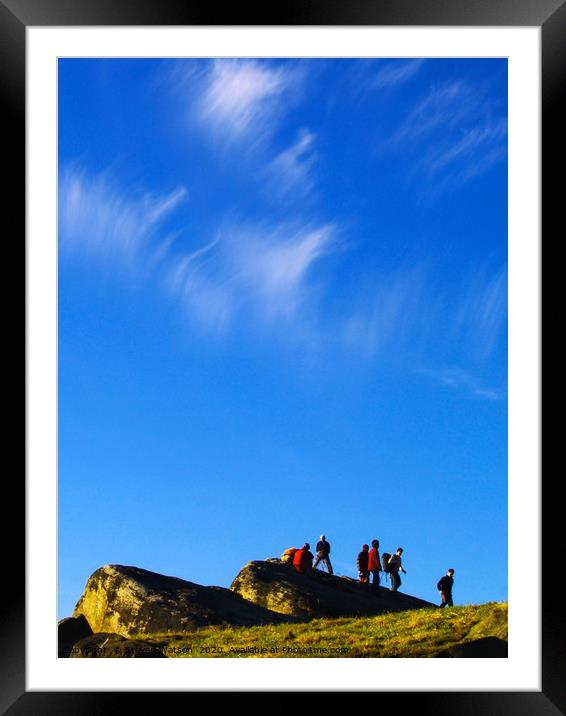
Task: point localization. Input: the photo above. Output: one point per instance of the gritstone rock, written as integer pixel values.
(278, 587)
(128, 600)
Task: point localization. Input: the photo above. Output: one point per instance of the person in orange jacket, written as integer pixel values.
(374, 565)
(302, 559)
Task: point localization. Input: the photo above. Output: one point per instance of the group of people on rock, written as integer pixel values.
(302, 559)
(369, 563)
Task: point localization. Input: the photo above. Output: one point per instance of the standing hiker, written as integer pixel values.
(302, 559)
(374, 565)
(396, 566)
(363, 558)
(444, 586)
(322, 552)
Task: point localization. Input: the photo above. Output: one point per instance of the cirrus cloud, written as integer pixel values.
(264, 270)
(97, 217)
(242, 98)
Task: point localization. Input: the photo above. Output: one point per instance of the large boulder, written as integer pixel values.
(128, 600)
(278, 587)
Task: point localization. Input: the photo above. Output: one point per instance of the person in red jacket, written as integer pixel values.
(374, 565)
(302, 560)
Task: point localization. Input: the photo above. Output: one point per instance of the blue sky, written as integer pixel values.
(283, 312)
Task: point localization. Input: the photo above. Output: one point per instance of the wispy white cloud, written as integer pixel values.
(97, 217)
(394, 309)
(452, 135)
(290, 171)
(492, 156)
(397, 72)
(472, 141)
(482, 312)
(408, 312)
(158, 208)
(265, 271)
(459, 379)
(241, 104)
(262, 272)
(276, 269)
(205, 300)
(444, 105)
(241, 99)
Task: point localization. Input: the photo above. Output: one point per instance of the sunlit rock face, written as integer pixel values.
(128, 600)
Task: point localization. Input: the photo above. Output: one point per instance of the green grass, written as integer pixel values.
(415, 633)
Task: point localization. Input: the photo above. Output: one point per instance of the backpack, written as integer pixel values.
(288, 555)
(385, 557)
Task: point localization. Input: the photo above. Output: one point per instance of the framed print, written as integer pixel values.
(283, 292)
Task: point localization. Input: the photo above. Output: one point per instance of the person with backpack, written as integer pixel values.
(302, 559)
(395, 566)
(363, 560)
(385, 557)
(374, 565)
(322, 552)
(444, 586)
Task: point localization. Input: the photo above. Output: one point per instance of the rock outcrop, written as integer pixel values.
(127, 600)
(278, 587)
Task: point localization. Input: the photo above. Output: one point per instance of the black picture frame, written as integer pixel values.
(15, 16)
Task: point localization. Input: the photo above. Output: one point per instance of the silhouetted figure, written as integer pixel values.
(363, 559)
(444, 586)
(302, 559)
(374, 565)
(396, 566)
(322, 552)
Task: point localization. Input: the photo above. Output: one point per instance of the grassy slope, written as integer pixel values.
(416, 633)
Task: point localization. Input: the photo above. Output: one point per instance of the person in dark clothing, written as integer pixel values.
(322, 552)
(302, 559)
(363, 571)
(374, 565)
(396, 566)
(444, 586)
